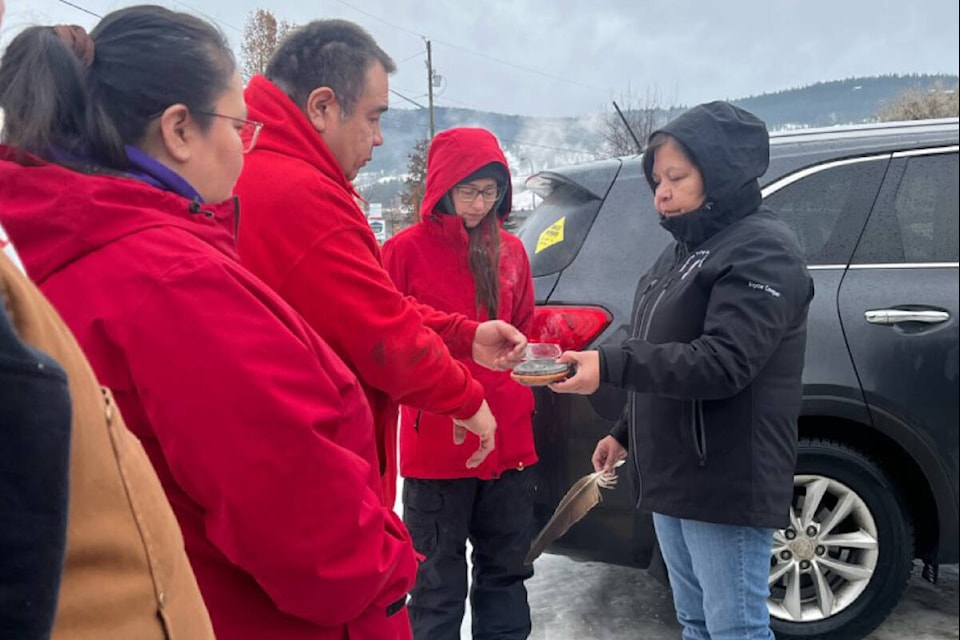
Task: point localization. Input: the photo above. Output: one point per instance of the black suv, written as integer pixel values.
(875, 208)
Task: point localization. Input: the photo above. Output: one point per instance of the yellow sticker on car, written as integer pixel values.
(551, 235)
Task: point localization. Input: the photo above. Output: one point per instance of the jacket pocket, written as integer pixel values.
(699, 432)
(422, 511)
(422, 505)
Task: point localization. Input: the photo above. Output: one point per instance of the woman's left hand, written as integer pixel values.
(586, 377)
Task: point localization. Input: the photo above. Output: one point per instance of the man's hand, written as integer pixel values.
(607, 454)
(498, 345)
(484, 425)
(586, 378)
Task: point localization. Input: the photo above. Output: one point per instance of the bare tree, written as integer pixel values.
(916, 104)
(644, 115)
(415, 181)
(261, 36)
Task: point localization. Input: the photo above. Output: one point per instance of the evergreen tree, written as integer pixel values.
(414, 182)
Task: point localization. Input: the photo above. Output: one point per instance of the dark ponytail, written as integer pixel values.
(145, 59)
(43, 93)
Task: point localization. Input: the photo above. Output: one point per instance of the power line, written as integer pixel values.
(408, 92)
(400, 95)
(544, 146)
(411, 57)
(471, 51)
(79, 8)
(520, 142)
(379, 19)
(182, 4)
(522, 68)
(205, 15)
(430, 80)
(463, 104)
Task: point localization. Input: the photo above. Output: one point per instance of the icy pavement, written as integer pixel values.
(595, 601)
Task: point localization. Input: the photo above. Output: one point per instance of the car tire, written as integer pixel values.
(836, 577)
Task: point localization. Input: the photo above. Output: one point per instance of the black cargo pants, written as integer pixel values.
(497, 517)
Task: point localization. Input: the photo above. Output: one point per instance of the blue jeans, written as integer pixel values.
(718, 574)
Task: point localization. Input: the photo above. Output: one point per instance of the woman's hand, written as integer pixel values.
(607, 454)
(586, 377)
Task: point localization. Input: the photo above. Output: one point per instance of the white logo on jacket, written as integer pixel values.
(694, 261)
(765, 288)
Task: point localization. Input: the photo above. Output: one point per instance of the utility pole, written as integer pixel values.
(430, 87)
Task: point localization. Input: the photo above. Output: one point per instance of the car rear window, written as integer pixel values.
(555, 231)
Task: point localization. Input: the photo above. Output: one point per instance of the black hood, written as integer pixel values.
(731, 147)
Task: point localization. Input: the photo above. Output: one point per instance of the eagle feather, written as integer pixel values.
(583, 496)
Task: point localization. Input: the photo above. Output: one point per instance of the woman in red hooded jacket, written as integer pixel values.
(458, 259)
(125, 146)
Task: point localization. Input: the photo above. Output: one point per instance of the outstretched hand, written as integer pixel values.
(586, 377)
(498, 345)
(484, 425)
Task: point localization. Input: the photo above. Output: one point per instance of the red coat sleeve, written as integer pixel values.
(271, 437)
(455, 329)
(342, 290)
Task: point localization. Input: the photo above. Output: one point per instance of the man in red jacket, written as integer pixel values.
(304, 235)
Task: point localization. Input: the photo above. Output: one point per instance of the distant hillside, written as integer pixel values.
(532, 144)
(840, 102)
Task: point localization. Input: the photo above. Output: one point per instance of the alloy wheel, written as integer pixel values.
(824, 560)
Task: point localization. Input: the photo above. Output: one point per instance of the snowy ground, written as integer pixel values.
(595, 601)
(580, 601)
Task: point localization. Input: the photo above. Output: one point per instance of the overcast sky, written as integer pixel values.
(572, 57)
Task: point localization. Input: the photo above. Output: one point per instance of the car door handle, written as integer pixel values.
(896, 316)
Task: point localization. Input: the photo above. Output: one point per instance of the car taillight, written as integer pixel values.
(573, 328)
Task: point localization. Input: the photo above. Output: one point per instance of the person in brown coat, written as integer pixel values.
(125, 570)
(34, 465)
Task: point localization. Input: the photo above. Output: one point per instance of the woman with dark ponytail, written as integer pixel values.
(122, 150)
(458, 259)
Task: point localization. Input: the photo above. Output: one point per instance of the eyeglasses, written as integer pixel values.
(466, 193)
(249, 129)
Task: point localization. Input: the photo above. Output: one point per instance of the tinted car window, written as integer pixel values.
(926, 209)
(827, 207)
(554, 234)
(916, 219)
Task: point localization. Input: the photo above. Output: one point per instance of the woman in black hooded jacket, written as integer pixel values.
(714, 365)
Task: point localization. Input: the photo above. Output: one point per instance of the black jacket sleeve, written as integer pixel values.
(759, 295)
(621, 429)
(34, 459)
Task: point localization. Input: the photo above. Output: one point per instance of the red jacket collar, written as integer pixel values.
(57, 215)
(286, 130)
